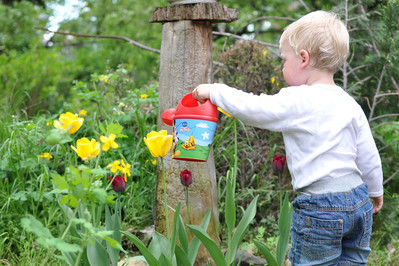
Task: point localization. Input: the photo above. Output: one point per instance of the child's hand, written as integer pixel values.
(202, 92)
(378, 202)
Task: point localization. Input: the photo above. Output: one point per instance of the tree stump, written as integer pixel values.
(185, 62)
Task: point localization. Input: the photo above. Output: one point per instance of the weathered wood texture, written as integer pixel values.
(214, 12)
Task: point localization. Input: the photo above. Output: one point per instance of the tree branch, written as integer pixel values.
(270, 18)
(135, 43)
(242, 38)
(374, 103)
(130, 41)
(391, 177)
(382, 116)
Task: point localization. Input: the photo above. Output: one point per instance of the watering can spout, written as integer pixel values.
(168, 116)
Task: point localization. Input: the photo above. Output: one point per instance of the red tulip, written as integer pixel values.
(186, 178)
(119, 183)
(279, 163)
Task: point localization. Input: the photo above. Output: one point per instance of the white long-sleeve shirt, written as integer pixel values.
(326, 133)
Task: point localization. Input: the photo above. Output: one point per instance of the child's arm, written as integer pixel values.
(271, 112)
(369, 162)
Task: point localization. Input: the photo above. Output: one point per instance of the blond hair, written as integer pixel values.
(323, 35)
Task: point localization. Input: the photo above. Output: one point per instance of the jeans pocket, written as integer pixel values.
(367, 228)
(322, 237)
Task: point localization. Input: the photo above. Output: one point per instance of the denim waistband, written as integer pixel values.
(333, 185)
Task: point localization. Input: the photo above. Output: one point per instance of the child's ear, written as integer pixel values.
(305, 58)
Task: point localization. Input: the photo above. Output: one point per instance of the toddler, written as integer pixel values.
(331, 154)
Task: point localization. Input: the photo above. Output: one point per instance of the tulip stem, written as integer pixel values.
(280, 188)
(187, 207)
(165, 199)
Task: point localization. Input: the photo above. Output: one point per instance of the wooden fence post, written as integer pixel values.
(185, 62)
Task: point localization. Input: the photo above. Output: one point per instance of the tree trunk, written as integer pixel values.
(186, 61)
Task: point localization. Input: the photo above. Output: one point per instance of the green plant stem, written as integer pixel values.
(110, 183)
(235, 156)
(187, 207)
(233, 179)
(48, 254)
(280, 189)
(70, 221)
(78, 258)
(165, 199)
(98, 159)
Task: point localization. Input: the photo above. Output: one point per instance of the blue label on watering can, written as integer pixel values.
(192, 139)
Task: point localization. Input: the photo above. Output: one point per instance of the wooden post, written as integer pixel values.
(185, 62)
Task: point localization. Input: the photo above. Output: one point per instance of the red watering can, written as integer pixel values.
(194, 127)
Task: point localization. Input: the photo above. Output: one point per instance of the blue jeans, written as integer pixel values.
(331, 229)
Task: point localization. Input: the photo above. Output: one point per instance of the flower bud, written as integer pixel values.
(186, 178)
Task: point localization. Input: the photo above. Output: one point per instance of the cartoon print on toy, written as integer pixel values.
(192, 139)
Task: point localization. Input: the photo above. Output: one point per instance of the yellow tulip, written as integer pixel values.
(87, 149)
(159, 143)
(109, 142)
(70, 122)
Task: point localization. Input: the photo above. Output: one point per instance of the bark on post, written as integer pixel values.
(185, 62)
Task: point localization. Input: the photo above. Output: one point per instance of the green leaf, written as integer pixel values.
(63, 246)
(114, 128)
(266, 253)
(159, 245)
(209, 244)
(175, 231)
(96, 254)
(56, 136)
(59, 181)
(163, 260)
(4, 164)
(113, 243)
(102, 234)
(152, 261)
(19, 196)
(196, 242)
(32, 225)
(64, 200)
(183, 239)
(284, 225)
(100, 194)
(230, 207)
(181, 257)
(99, 172)
(70, 258)
(45, 238)
(241, 229)
(29, 163)
(112, 223)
